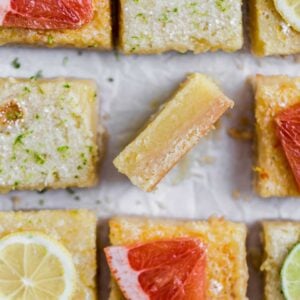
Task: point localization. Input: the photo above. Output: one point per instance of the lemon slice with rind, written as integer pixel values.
(290, 12)
(290, 275)
(34, 266)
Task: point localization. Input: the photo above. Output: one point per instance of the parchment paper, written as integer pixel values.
(213, 179)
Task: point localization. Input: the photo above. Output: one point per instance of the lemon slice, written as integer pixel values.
(33, 267)
(290, 12)
(290, 275)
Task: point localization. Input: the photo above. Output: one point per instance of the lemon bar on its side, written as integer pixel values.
(279, 239)
(76, 230)
(227, 272)
(96, 34)
(48, 134)
(270, 34)
(273, 174)
(173, 131)
(156, 26)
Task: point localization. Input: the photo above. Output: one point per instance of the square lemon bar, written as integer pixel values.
(273, 174)
(75, 230)
(48, 133)
(270, 34)
(227, 272)
(96, 34)
(279, 239)
(156, 26)
(173, 131)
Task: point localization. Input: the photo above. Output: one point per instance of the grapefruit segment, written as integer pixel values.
(173, 269)
(46, 14)
(288, 132)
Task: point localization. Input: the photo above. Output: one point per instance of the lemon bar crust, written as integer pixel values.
(279, 238)
(173, 131)
(53, 141)
(270, 34)
(97, 34)
(152, 27)
(226, 269)
(273, 174)
(75, 229)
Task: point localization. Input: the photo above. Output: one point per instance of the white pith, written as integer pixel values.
(4, 8)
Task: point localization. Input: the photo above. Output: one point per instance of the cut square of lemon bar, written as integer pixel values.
(48, 133)
(96, 34)
(273, 174)
(270, 33)
(227, 272)
(160, 25)
(75, 230)
(279, 239)
(173, 131)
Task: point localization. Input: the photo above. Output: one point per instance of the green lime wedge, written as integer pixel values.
(290, 274)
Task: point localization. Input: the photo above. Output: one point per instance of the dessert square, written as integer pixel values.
(173, 131)
(48, 133)
(273, 174)
(270, 34)
(148, 27)
(279, 239)
(96, 34)
(227, 272)
(75, 229)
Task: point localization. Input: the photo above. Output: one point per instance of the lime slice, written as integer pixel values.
(290, 12)
(34, 266)
(290, 275)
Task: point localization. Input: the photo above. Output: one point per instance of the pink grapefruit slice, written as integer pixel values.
(45, 14)
(172, 269)
(288, 132)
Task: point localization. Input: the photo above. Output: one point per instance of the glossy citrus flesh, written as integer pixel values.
(290, 274)
(172, 269)
(47, 14)
(288, 132)
(33, 266)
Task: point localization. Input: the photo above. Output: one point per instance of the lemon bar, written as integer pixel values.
(227, 272)
(279, 239)
(76, 230)
(156, 26)
(273, 174)
(48, 133)
(173, 131)
(270, 34)
(96, 34)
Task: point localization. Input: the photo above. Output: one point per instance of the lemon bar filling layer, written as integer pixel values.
(173, 131)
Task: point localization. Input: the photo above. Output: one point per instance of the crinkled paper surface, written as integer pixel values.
(215, 178)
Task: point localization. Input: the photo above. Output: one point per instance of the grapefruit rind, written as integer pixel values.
(121, 270)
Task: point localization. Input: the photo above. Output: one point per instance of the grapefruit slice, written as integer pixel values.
(45, 14)
(171, 269)
(288, 132)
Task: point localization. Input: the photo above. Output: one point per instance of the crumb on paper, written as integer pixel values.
(255, 257)
(243, 131)
(207, 160)
(240, 134)
(236, 194)
(16, 201)
(106, 117)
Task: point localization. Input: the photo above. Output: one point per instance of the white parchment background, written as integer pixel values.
(214, 179)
